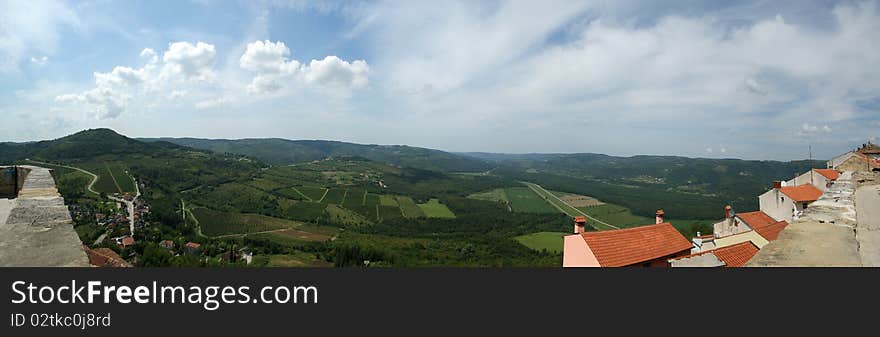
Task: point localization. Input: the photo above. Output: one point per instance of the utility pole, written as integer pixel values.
(811, 165)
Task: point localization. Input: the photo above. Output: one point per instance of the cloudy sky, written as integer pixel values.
(743, 79)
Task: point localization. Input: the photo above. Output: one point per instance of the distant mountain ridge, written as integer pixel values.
(283, 152)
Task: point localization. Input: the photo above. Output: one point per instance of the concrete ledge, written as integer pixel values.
(36, 229)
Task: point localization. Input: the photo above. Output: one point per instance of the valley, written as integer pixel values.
(317, 203)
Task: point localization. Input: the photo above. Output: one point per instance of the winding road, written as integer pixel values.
(129, 204)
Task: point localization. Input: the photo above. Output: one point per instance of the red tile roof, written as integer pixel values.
(623, 247)
(830, 174)
(580, 219)
(805, 192)
(104, 257)
(771, 231)
(127, 241)
(736, 255)
(756, 219)
(193, 245)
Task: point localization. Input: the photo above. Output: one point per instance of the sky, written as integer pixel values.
(716, 79)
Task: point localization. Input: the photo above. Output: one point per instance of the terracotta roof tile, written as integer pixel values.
(623, 247)
(830, 174)
(756, 219)
(736, 255)
(805, 192)
(771, 231)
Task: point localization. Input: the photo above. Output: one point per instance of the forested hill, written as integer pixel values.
(283, 151)
(697, 187)
(83, 145)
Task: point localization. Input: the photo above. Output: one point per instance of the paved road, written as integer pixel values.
(129, 204)
(868, 228)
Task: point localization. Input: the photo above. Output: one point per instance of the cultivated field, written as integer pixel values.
(523, 199)
(215, 223)
(434, 209)
(550, 241)
(577, 200)
(493, 195)
(334, 196)
(313, 193)
(409, 207)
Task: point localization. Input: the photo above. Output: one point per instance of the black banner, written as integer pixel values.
(449, 301)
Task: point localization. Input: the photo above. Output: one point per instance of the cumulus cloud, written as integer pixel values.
(212, 103)
(182, 63)
(336, 72)
(28, 27)
(190, 61)
(270, 61)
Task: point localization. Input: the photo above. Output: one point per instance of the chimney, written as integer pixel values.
(659, 218)
(580, 223)
(777, 184)
(698, 242)
(727, 211)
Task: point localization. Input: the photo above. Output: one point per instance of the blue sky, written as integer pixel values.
(743, 79)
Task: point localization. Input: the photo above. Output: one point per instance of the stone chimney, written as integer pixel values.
(659, 218)
(727, 210)
(580, 224)
(777, 184)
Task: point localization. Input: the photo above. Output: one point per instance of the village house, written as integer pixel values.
(787, 202)
(645, 246)
(820, 178)
(193, 248)
(167, 244)
(730, 256)
(104, 257)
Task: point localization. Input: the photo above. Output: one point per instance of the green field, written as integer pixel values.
(409, 207)
(387, 200)
(304, 210)
(389, 212)
(300, 259)
(215, 223)
(492, 195)
(550, 241)
(334, 196)
(553, 199)
(355, 197)
(434, 209)
(371, 200)
(524, 200)
(313, 193)
(622, 217)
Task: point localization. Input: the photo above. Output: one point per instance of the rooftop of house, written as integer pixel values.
(623, 247)
(104, 257)
(802, 193)
(771, 231)
(193, 245)
(730, 256)
(830, 174)
(756, 219)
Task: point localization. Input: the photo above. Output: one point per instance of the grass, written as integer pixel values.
(313, 193)
(299, 259)
(387, 200)
(371, 200)
(215, 223)
(409, 207)
(550, 241)
(524, 200)
(622, 217)
(345, 216)
(389, 212)
(434, 209)
(553, 200)
(492, 195)
(123, 182)
(304, 210)
(334, 196)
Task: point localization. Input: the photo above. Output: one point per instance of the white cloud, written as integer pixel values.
(270, 61)
(190, 61)
(28, 27)
(40, 60)
(332, 71)
(268, 57)
(182, 63)
(150, 55)
(709, 150)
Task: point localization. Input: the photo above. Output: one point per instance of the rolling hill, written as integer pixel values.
(282, 152)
